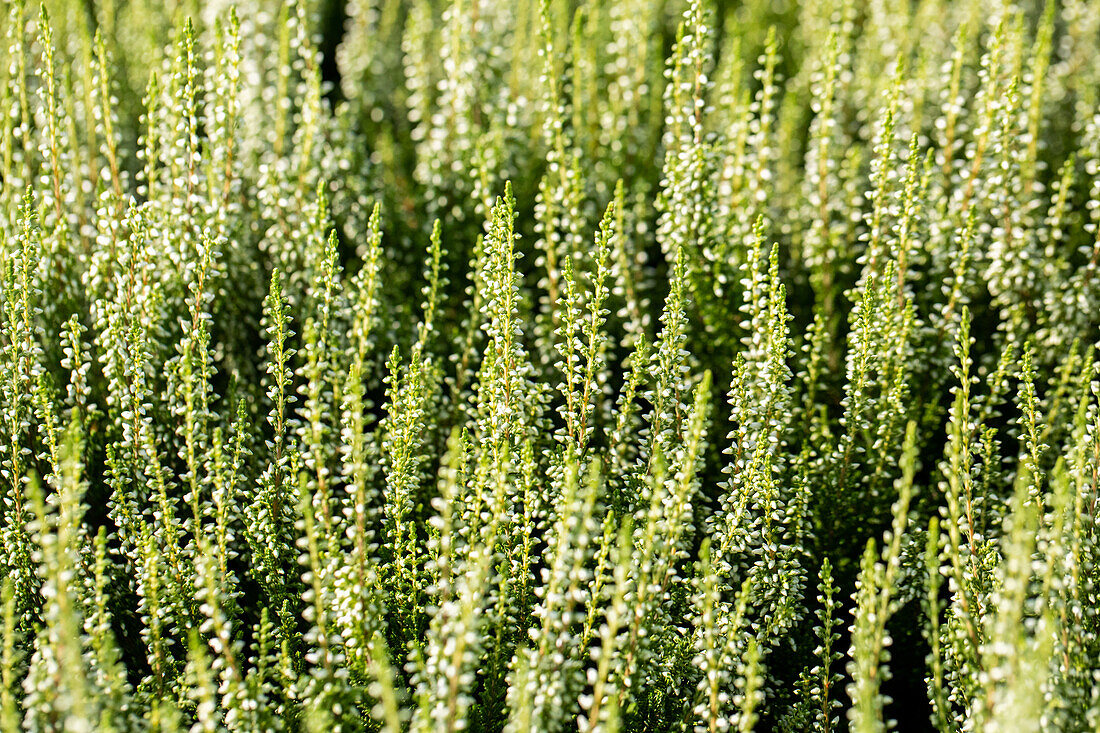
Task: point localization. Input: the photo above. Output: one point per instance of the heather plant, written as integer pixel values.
(547, 365)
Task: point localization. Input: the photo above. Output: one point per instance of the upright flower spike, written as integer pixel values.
(324, 694)
(19, 155)
(10, 658)
(365, 300)
(54, 147)
(687, 230)
(559, 207)
(22, 368)
(634, 68)
(195, 371)
(822, 246)
(1013, 652)
(627, 287)
(670, 368)
(760, 152)
(202, 686)
(569, 347)
(662, 533)
(269, 511)
(223, 108)
(882, 182)
(227, 649)
(1033, 446)
(503, 383)
(551, 660)
(408, 397)
(459, 145)
(444, 676)
(826, 676)
(961, 496)
(106, 662)
(435, 285)
(59, 644)
(583, 342)
(360, 595)
(594, 374)
(875, 603)
(722, 641)
(760, 525)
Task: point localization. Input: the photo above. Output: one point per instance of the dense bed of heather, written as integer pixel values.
(543, 365)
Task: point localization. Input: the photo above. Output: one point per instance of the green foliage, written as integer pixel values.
(544, 365)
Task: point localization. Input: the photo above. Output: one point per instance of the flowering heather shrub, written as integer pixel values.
(641, 365)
